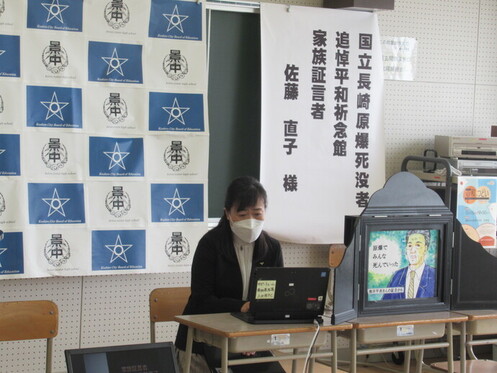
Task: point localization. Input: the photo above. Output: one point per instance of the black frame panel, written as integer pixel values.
(399, 226)
(474, 274)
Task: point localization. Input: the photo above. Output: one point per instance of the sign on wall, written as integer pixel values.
(103, 136)
(399, 57)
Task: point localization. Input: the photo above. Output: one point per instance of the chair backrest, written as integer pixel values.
(37, 319)
(336, 252)
(165, 303)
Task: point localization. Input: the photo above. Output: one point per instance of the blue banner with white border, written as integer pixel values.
(116, 250)
(115, 62)
(10, 56)
(56, 203)
(110, 156)
(59, 15)
(53, 107)
(10, 155)
(176, 112)
(175, 20)
(11, 253)
(177, 203)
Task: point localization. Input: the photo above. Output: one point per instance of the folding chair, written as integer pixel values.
(165, 303)
(38, 319)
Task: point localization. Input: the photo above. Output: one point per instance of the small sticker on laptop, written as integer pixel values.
(405, 330)
(265, 289)
(280, 339)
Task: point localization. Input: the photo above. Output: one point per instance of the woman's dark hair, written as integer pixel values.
(243, 192)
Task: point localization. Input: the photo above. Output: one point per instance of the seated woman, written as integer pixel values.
(223, 262)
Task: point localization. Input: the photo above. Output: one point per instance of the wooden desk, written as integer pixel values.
(233, 335)
(406, 328)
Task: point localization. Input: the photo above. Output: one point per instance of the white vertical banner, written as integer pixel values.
(322, 142)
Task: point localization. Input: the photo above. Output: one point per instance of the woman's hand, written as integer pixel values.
(245, 307)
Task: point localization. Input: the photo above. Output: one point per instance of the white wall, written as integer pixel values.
(455, 90)
(455, 93)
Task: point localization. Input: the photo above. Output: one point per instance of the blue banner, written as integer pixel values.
(54, 107)
(176, 112)
(177, 202)
(118, 250)
(111, 156)
(175, 20)
(10, 56)
(11, 254)
(56, 203)
(60, 15)
(113, 62)
(10, 155)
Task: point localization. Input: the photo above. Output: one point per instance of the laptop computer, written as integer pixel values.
(140, 358)
(281, 295)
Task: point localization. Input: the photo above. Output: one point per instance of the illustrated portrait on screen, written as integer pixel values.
(402, 264)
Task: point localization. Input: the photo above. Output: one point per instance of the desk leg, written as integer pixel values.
(471, 352)
(420, 357)
(407, 362)
(334, 350)
(353, 351)
(462, 348)
(450, 349)
(224, 356)
(294, 362)
(188, 350)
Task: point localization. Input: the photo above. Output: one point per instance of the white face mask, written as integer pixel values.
(247, 230)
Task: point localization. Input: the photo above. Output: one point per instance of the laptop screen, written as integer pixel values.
(140, 358)
(288, 292)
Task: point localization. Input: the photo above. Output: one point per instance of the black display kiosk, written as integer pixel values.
(465, 273)
(405, 225)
